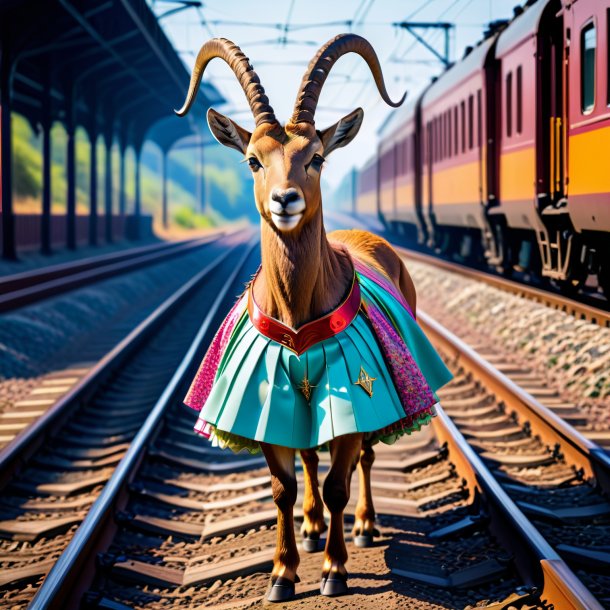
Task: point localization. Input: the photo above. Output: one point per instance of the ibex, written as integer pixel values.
(322, 349)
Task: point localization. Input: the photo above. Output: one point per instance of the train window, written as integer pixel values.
(519, 100)
(463, 113)
(608, 55)
(449, 134)
(455, 130)
(509, 104)
(470, 122)
(397, 159)
(448, 142)
(588, 44)
(479, 119)
(445, 136)
(439, 139)
(413, 153)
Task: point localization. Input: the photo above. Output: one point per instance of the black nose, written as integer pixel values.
(284, 197)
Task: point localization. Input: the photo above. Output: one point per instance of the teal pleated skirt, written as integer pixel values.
(257, 394)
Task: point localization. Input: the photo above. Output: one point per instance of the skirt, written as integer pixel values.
(378, 376)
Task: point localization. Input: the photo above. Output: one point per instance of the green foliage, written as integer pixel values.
(228, 191)
(226, 180)
(59, 141)
(27, 163)
(82, 171)
(187, 218)
(228, 183)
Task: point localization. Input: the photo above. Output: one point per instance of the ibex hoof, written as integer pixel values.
(333, 585)
(363, 541)
(281, 590)
(312, 543)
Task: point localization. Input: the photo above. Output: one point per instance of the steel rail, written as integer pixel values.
(536, 560)
(552, 429)
(26, 279)
(575, 308)
(23, 446)
(77, 556)
(25, 288)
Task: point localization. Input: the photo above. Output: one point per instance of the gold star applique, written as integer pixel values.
(365, 381)
(306, 387)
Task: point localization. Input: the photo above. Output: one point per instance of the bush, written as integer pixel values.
(187, 218)
(27, 162)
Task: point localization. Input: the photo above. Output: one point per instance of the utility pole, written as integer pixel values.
(413, 26)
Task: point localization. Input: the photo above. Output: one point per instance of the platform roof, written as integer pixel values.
(107, 66)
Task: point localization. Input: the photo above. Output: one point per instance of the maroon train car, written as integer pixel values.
(508, 165)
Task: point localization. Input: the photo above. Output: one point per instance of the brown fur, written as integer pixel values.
(313, 507)
(304, 275)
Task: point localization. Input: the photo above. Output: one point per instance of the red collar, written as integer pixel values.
(309, 334)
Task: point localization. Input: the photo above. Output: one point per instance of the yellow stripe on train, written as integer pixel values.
(518, 175)
(458, 184)
(588, 162)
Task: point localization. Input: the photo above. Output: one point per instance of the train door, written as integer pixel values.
(557, 240)
(552, 113)
(429, 173)
(416, 168)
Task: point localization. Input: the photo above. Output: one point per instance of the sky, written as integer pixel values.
(281, 36)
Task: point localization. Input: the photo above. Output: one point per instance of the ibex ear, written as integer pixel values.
(228, 132)
(342, 132)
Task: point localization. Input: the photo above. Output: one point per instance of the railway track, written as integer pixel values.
(513, 516)
(52, 473)
(28, 287)
(184, 524)
(597, 313)
(561, 363)
(580, 310)
(559, 478)
(551, 387)
(35, 378)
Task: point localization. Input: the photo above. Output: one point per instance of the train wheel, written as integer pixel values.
(504, 251)
(574, 282)
(578, 271)
(603, 277)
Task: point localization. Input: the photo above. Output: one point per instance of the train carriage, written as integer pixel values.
(555, 116)
(531, 143)
(502, 158)
(454, 151)
(587, 28)
(400, 176)
(366, 197)
(387, 170)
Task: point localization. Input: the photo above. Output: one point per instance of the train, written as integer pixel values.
(503, 160)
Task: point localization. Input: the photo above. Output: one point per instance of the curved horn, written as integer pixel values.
(247, 77)
(320, 66)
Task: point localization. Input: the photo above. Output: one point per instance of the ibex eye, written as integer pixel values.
(254, 164)
(316, 162)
